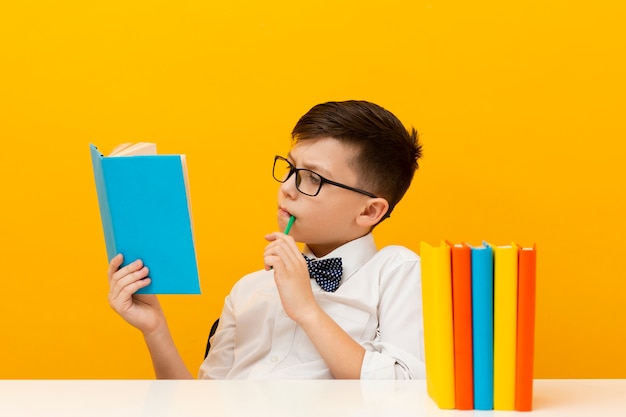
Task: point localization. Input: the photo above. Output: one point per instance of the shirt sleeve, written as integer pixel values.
(397, 352)
(220, 359)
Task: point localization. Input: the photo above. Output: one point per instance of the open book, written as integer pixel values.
(146, 213)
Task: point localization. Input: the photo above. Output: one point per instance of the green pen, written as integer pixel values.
(289, 224)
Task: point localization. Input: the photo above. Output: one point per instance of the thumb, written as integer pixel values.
(272, 236)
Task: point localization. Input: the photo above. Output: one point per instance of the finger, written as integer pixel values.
(279, 239)
(114, 265)
(283, 258)
(275, 236)
(124, 299)
(268, 262)
(129, 290)
(284, 248)
(273, 253)
(272, 256)
(292, 252)
(126, 287)
(119, 284)
(134, 266)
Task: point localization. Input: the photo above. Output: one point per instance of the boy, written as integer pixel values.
(350, 164)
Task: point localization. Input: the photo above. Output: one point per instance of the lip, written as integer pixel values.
(284, 212)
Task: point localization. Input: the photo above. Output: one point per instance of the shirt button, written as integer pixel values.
(273, 358)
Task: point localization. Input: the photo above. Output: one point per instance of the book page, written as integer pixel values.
(139, 148)
(183, 162)
(120, 147)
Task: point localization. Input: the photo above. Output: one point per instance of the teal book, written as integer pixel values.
(482, 325)
(146, 214)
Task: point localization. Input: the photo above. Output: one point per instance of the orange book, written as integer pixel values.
(461, 257)
(525, 328)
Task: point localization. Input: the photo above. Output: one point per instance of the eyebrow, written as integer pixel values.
(318, 169)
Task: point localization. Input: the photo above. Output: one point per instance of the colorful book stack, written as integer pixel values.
(479, 323)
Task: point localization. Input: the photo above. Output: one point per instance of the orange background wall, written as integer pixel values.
(520, 106)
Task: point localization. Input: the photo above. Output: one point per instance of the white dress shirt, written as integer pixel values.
(378, 303)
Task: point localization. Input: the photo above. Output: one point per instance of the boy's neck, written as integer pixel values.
(321, 250)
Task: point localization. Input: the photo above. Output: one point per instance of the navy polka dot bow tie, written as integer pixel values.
(327, 272)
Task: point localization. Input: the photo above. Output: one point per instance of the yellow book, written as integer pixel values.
(438, 330)
(504, 326)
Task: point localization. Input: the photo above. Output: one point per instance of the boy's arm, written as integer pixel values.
(221, 357)
(144, 312)
(343, 355)
(397, 351)
(166, 360)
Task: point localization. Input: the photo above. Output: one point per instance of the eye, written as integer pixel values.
(311, 177)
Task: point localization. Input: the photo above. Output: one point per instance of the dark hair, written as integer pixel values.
(386, 152)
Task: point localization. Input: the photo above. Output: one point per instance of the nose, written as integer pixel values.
(288, 188)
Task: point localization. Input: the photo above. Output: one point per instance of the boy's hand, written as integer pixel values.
(142, 311)
(343, 354)
(291, 276)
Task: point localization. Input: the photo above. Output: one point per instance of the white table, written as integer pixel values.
(69, 398)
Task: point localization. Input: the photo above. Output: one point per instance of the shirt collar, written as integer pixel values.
(353, 254)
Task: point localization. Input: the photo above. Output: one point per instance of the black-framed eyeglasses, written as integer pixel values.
(307, 182)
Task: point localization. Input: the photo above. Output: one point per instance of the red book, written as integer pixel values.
(525, 328)
(461, 257)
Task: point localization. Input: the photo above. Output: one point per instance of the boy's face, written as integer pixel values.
(327, 220)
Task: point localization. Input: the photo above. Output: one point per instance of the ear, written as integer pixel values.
(373, 212)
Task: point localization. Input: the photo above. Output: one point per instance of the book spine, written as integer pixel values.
(505, 327)
(482, 326)
(438, 331)
(525, 329)
(462, 322)
(97, 162)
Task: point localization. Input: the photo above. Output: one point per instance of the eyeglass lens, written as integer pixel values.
(307, 182)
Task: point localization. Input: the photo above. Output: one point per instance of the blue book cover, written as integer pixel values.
(145, 213)
(482, 322)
